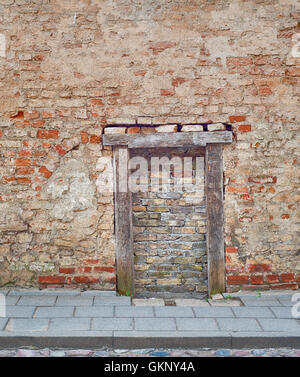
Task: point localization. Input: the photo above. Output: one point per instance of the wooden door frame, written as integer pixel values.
(213, 143)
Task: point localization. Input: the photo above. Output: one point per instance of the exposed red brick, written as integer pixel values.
(272, 279)
(91, 261)
(51, 279)
(38, 124)
(140, 73)
(257, 279)
(22, 162)
(106, 269)
(166, 92)
(287, 277)
(45, 172)
(31, 115)
(48, 114)
(110, 279)
(95, 139)
(84, 137)
(133, 130)
(263, 179)
(285, 216)
(244, 128)
(47, 134)
(159, 47)
(293, 71)
(231, 249)
(240, 279)
(96, 102)
(284, 286)
(23, 181)
(24, 171)
(237, 118)
(264, 91)
(60, 150)
(84, 269)
(178, 81)
(246, 197)
(22, 124)
(259, 267)
(66, 270)
(86, 279)
(236, 189)
(19, 115)
(25, 153)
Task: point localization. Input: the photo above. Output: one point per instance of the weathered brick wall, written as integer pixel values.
(170, 228)
(71, 67)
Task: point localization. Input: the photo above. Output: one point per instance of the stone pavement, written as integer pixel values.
(94, 319)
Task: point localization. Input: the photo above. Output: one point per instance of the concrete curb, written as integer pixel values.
(134, 340)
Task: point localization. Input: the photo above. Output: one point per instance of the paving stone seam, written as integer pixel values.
(34, 311)
(259, 325)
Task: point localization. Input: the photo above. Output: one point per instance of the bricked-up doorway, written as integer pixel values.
(212, 143)
(169, 225)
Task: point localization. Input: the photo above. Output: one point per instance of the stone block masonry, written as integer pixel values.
(170, 231)
(68, 72)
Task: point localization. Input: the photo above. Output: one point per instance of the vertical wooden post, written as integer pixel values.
(215, 218)
(123, 223)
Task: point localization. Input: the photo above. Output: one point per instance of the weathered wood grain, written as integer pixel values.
(172, 140)
(123, 223)
(215, 218)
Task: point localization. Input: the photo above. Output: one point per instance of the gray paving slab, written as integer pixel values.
(112, 324)
(282, 312)
(196, 324)
(94, 311)
(155, 324)
(3, 322)
(286, 301)
(148, 302)
(11, 300)
(174, 311)
(25, 292)
(190, 302)
(213, 312)
(117, 300)
(134, 311)
(280, 325)
(37, 300)
(99, 293)
(270, 293)
(226, 302)
(54, 311)
(74, 301)
(70, 324)
(63, 292)
(260, 301)
(20, 311)
(238, 324)
(253, 312)
(45, 292)
(27, 325)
